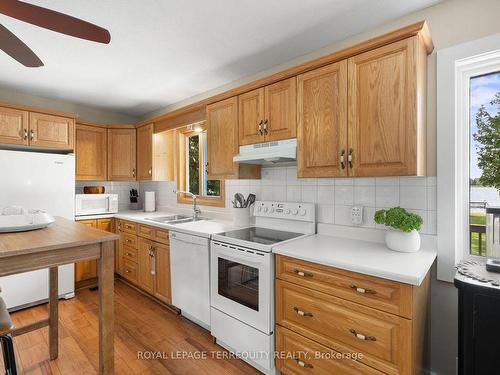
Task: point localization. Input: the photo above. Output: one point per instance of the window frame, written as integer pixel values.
(455, 67)
(181, 151)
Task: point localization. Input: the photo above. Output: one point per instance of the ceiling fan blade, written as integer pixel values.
(55, 21)
(15, 48)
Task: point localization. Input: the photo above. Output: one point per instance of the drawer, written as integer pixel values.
(129, 270)
(298, 355)
(130, 253)
(161, 235)
(129, 240)
(146, 231)
(383, 339)
(385, 295)
(128, 227)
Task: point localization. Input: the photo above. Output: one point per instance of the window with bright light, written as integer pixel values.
(193, 176)
(484, 155)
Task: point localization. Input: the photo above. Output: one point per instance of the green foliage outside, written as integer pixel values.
(194, 164)
(399, 218)
(477, 218)
(488, 148)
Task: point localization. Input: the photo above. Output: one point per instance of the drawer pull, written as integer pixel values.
(361, 336)
(362, 290)
(303, 364)
(302, 313)
(303, 274)
(127, 271)
(128, 254)
(127, 240)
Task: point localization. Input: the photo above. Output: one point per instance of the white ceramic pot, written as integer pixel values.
(241, 216)
(406, 242)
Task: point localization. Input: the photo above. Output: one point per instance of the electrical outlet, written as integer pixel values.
(357, 215)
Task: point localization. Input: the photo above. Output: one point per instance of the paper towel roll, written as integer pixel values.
(149, 201)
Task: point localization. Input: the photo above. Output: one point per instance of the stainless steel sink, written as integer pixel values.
(175, 219)
(168, 219)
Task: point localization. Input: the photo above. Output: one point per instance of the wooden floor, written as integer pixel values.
(140, 325)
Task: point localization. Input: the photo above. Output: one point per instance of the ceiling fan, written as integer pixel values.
(48, 19)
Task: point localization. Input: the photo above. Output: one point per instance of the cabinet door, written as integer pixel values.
(51, 131)
(162, 274)
(121, 154)
(105, 224)
(86, 269)
(251, 117)
(145, 152)
(382, 111)
(145, 276)
(91, 153)
(322, 121)
(222, 131)
(281, 110)
(13, 126)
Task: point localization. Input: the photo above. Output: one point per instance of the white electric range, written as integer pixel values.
(242, 279)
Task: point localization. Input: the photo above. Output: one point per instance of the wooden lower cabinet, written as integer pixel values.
(321, 308)
(86, 271)
(143, 258)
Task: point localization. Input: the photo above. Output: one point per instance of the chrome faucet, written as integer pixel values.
(196, 209)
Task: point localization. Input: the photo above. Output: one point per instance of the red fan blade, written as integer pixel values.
(55, 21)
(15, 48)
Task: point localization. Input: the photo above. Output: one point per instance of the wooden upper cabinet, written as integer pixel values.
(121, 154)
(268, 113)
(387, 110)
(91, 152)
(251, 117)
(145, 152)
(13, 126)
(280, 103)
(51, 131)
(222, 132)
(322, 121)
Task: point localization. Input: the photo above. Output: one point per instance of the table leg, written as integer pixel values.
(53, 313)
(106, 308)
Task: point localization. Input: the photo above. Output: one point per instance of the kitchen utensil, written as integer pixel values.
(240, 199)
(250, 200)
(94, 189)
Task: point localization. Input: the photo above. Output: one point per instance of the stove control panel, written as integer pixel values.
(285, 210)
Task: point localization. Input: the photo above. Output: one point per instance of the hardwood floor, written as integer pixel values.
(140, 325)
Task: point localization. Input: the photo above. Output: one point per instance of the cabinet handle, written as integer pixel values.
(150, 171)
(303, 274)
(25, 132)
(260, 127)
(32, 134)
(133, 172)
(303, 364)
(127, 240)
(349, 158)
(362, 290)
(360, 336)
(153, 260)
(302, 313)
(265, 127)
(342, 159)
(127, 271)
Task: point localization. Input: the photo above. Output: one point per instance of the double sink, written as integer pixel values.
(175, 219)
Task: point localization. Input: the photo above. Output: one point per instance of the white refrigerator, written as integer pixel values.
(40, 181)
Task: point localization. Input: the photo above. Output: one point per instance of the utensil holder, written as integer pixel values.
(241, 216)
(136, 205)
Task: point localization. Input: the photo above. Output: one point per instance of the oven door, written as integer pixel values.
(241, 284)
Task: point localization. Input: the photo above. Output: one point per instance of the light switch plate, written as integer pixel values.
(357, 215)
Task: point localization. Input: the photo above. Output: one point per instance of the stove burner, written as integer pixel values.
(260, 235)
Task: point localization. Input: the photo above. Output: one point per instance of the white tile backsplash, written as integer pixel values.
(334, 197)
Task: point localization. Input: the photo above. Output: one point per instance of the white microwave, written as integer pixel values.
(95, 204)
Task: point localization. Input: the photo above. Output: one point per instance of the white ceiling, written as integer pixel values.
(162, 52)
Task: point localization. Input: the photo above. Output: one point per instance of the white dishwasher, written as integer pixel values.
(190, 276)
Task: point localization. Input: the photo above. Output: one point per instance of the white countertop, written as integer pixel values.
(203, 228)
(369, 258)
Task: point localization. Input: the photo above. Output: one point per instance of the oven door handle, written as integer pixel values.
(239, 256)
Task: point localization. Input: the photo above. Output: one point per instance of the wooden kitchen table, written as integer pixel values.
(65, 242)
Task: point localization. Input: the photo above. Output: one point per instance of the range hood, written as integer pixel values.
(268, 153)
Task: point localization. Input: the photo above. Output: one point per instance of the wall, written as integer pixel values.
(83, 112)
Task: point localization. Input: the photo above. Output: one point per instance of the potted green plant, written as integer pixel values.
(402, 232)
